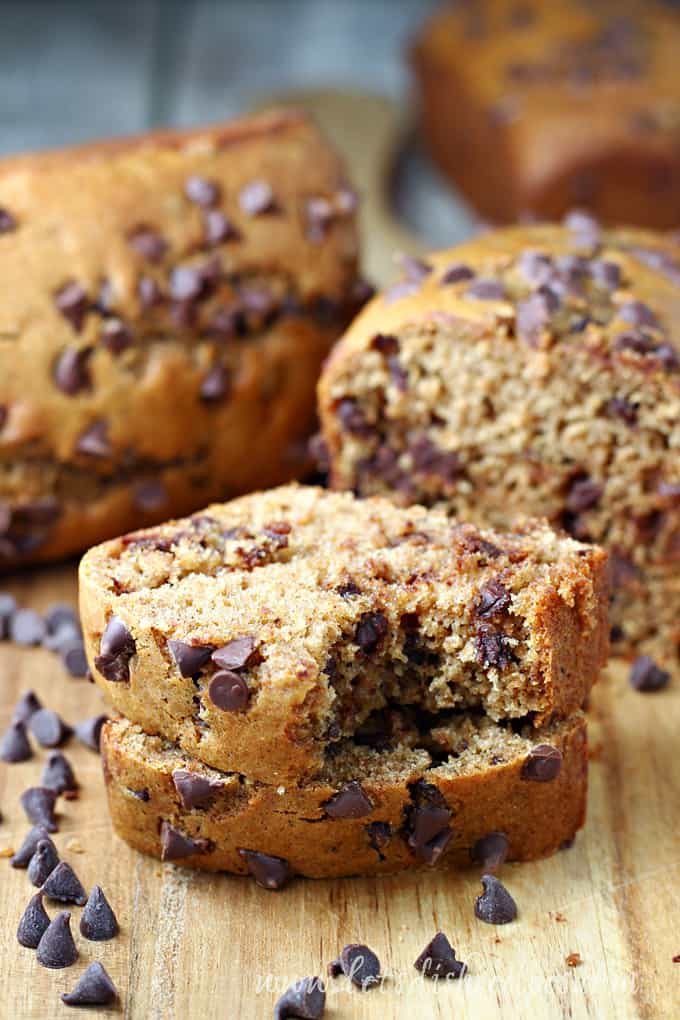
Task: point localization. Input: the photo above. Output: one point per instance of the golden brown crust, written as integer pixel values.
(535, 108)
(354, 609)
(180, 365)
(481, 796)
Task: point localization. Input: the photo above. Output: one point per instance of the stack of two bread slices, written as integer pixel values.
(318, 685)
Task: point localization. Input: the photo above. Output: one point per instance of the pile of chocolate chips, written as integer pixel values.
(58, 630)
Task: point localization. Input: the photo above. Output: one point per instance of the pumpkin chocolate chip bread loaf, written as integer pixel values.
(167, 304)
(533, 107)
(532, 370)
(260, 634)
(451, 796)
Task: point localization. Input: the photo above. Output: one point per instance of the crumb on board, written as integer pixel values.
(559, 916)
(573, 960)
(7, 851)
(75, 845)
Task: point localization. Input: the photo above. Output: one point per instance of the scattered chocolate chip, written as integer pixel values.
(493, 648)
(116, 648)
(149, 292)
(98, 921)
(542, 764)
(494, 599)
(94, 988)
(43, 862)
(490, 851)
(27, 705)
(438, 960)
(148, 243)
(268, 871)
(305, 999)
(457, 272)
(94, 441)
(638, 314)
(370, 632)
(8, 607)
(235, 654)
(257, 198)
(349, 802)
(646, 676)
(495, 905)
(34, 923)
(89, 731)
(7, 222)
(59, 614)
(359, 964)
(194, 789)
(14, 744)
(228, 691)
(176, 845)
(71, 371)
(73, 657)
(22, 857)
(427, 822)
(115, 336)
(584, 494)
(64, 885)
(71, 300)
(219, 228)
(27, 627)
(201, 191)
(48, 728)
(58, 774)
(189, 659)
(56, 948)
(215, 385)
(486, 290)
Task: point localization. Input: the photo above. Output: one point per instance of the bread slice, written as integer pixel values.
(368, 811)
(260, 634)
(530, 370)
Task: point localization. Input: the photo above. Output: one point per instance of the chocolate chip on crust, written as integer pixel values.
(542, 764)
(360, 964)
(56, 948)
(490, 851)
(305, 999)
(486, 290)
(646, 676)
(268, 871)
(148, 243)
(14, 744)
(457, 272)
(201, 190)
(115, 336)
(22, 857)
(58, 774)
(7, 222)
(218, 228)
(257, 198)
(98, 921)
(34, 923)
(43, 862)
(48, 728)
(235, 654)
(349, 802)
(189, 659)
(495, 905)
(71, 373)
(414, 268)
(438, 960)
(215, 385)
(94, 441)
(71, 300)
(638, 314)
(94, 988)
(194, 789)
(64, 885)
(116, 648)
(228, 690)
(175, 844)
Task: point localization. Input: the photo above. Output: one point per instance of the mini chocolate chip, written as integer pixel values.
(235, 654)
(176, 845)
(414, 268)
(268, 871)
(370, 632)
(22, 857)
(14, 744)
(495, 905)
(89, 731)
(71, 372)
(116, 648)
(94, 441)
(305, 999)
(606, 274)
(58, 774)
(490, 851)
(256, 198)
(148, 243)
(56, 948)
(71, 300)
(536, 267)
(64, 885)
(94, 988)
(48, 728)
(27, 705)
(201, 191)
(115, 336)
(457, 272)
(38, 803)
(360, 965)
(585, 226)
(218, 228)
(646, 676)
(186, 283)
(190, 659)
(486, 290)
(194, 789)
(7, 222)
(638, 314)
(215, 385)
(493, 648)
(584, 494)
(636, 341)
(385, 343)
(532, 317)
(349, 802)
(72, 654)
(542, 764)
(228, 691)
(494, 599)
(34, 923)
(27, 627)
(438, 959)
(149, 292)
(98, 921)
(43, 862)
(427, 822)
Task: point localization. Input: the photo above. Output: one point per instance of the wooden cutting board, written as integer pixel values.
(198, 946)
